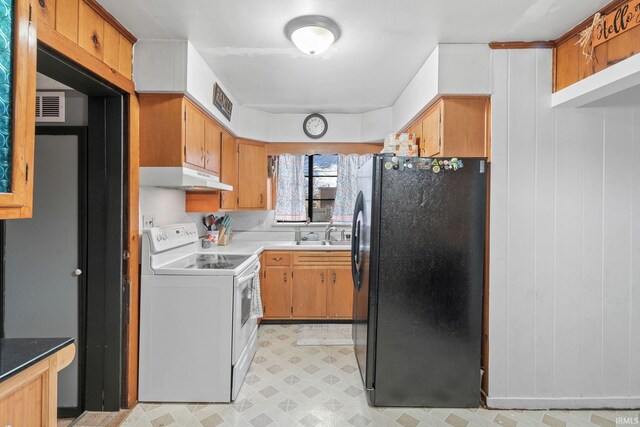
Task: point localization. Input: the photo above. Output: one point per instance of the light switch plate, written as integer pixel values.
(147, 221)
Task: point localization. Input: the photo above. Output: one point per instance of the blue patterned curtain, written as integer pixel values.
(347, 188)
(6, 64)
(290, 204)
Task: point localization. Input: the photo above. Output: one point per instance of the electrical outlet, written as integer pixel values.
(147, 221)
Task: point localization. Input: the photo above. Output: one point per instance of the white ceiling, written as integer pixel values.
(383, 42)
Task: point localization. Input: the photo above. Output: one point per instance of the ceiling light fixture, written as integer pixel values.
(312, 34)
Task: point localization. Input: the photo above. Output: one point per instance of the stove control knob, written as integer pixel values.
(158, 237)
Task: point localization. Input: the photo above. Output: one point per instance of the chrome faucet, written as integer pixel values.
(327, 231)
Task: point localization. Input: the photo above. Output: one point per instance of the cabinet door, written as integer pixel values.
(340, 293)
(47, 12)
(464, 127)
(212, 137)
(125, 54)
(276, 293)
(194, 135)
(252, 176)
(309, 292)
(111, 46)
(91, 30)
(229, 171)
(432, 132)
(67, 19)
(417, 130)
(16, 156)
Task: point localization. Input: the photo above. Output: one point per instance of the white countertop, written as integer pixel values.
(256, 247)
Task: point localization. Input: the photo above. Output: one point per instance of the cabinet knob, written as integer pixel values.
(278, 259)
(261, 198)
(42, 3)
(94, 39)
(322, 277)
(285, 277)
(333, 277)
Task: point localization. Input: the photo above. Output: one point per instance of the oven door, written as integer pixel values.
(243, 324)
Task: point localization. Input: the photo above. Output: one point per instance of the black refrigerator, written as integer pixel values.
(418, 270)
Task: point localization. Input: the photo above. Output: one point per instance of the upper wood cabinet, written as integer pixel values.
(91, 30)
(88, 25)
(252, 175)
(229, 171)
(212, 145)
(194, 135)
(176, 132)
(455, 126)
(17, 172)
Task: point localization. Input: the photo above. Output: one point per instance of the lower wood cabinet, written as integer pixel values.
(309, 293)
(276, 293)
(340, 293)
(307, 285)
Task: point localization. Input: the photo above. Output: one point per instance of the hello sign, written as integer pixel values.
(617, 22)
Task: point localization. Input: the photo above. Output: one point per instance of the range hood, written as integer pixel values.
(181, 178)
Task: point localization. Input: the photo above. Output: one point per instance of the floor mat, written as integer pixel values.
(325, 334)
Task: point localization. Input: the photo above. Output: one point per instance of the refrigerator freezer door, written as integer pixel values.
(363, 305)
(430, 276)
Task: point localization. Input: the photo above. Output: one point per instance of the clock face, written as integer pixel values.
(315, 126)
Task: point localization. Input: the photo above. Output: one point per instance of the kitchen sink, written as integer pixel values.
(310, 243)
(339, 243)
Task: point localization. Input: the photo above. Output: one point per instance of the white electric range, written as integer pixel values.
(197, 337)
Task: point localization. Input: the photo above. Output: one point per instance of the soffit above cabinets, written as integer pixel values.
(382, 46)
(450, 69)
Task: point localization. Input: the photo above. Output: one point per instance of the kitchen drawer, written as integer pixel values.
(322, 258)
(278, 258)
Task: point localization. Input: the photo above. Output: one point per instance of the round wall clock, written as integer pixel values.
(315, 126)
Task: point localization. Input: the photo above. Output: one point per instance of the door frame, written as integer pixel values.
(81, 133)
(107, 208)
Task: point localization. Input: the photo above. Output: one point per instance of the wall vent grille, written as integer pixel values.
(50, 107)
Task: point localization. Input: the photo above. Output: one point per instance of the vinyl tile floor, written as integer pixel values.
(291, 385)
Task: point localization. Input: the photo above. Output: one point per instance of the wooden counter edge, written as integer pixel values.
(46, 369)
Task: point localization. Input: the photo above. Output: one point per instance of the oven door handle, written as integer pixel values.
(243, 279)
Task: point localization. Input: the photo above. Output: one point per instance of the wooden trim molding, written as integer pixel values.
(111, 20)
(523, 45)
(587, 22)
(274, 149)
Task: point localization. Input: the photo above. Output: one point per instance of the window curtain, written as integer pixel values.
(290, 203)
(347, 187)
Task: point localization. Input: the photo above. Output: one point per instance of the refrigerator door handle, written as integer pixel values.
(355, 240)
